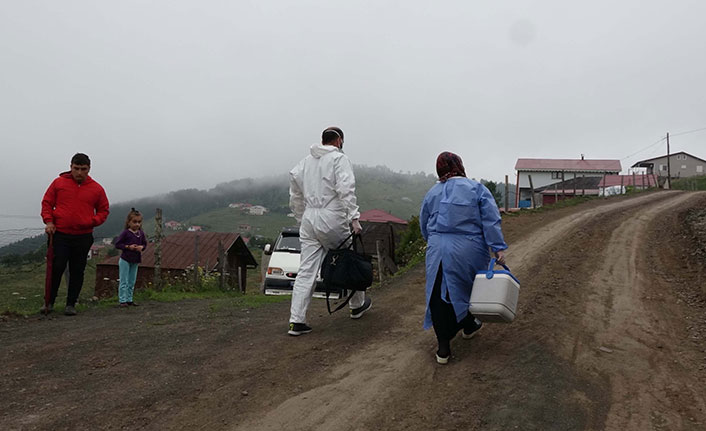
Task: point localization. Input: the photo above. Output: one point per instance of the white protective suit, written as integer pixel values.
(322, 198)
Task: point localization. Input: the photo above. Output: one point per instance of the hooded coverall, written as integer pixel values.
(322, 198)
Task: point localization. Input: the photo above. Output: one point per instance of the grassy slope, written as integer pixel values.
(378, 188)
(693, 183)
(22, 288)
(230, 219)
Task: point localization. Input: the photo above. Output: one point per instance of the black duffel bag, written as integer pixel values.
(345, 268)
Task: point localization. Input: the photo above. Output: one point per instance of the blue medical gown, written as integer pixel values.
(460, 222)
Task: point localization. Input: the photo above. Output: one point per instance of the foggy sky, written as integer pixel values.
(173, 94)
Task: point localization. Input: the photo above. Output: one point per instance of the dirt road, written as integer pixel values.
(604, 340)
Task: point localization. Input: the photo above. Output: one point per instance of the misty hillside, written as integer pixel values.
(376, 187)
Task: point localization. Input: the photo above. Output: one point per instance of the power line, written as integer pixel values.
(687, 132)
(644, 149)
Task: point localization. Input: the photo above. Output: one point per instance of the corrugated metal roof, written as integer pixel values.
(570, 165)
(178, 250)
(627, 180)
(594, 183)
(637, 164)
(380, 216)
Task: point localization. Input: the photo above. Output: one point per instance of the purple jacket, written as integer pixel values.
(128, 237)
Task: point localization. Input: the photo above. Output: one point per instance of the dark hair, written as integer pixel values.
(331, 134)
(133, 213)
(80, 159)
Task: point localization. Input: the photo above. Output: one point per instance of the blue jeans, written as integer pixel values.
(128, 275)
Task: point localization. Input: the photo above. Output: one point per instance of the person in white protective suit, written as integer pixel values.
(322, 198)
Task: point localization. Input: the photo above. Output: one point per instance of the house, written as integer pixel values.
(172, 225)
(592, 186)
(95, 250)
(382, 226)
(178, 256)
(238, 205)
(257, 210)
(681, 165)
(195, 228)
(549, 171)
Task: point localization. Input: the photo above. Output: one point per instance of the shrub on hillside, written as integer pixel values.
(412, 245)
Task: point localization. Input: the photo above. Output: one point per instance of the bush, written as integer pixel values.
(412, 245)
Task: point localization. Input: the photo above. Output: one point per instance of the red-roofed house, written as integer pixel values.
(178, 255)
(380, 216)
(550, 171)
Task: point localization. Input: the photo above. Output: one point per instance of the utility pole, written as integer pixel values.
(669, 166)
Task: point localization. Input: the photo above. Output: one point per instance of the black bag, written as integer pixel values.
(344, 268)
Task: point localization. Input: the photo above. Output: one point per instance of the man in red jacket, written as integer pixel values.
(72, 206)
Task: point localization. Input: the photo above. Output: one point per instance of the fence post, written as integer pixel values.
(507, 194)
(622, 178)
(604, 185)
(377, 250)
(157, 280)
(634, 183)
(196, 260)
(563, 186)
(583, 184)
(241, 284)
(534, 203)
(574, 184)
(221, 266)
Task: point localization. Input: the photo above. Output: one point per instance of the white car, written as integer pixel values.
(284, 265)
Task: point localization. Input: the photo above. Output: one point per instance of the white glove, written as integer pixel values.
(357, 228)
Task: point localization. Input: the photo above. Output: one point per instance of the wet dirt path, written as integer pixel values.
(374, 373)
(218, 366)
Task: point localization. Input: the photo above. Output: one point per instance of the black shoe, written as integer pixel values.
(70, 310)
(357, 313)
(298, 329)
(133, 304)
(467, 335)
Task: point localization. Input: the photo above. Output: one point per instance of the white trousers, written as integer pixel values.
(314, 247)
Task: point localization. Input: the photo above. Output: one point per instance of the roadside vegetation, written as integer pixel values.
(22, 280)
(693, 183)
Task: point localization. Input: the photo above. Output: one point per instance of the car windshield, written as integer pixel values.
(288, 243)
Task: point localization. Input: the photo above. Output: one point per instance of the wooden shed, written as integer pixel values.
(180, 252)
(381, 229)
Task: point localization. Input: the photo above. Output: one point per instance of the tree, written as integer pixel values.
(493, 187)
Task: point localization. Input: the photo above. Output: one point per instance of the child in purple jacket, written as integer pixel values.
(132, 242)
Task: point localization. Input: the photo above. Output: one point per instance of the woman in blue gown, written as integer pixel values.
(461, 224)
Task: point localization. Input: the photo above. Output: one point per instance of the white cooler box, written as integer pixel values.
(494, 295)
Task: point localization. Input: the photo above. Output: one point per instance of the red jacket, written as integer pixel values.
(74, 208)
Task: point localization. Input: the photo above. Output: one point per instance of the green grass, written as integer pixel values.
(693, 183)
(230, 220)
(22, 288)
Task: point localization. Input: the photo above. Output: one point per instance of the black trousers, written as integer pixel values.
(72, 250)
(443, 316)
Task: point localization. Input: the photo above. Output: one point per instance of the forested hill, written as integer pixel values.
(376, 187)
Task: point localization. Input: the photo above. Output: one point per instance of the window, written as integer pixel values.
(662, 167)
(681, 156)
(556, 175)
(683, 166)
(700, 169)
